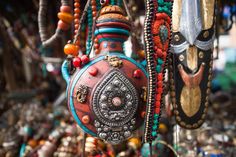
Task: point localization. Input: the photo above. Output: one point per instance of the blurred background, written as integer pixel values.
(32, 92)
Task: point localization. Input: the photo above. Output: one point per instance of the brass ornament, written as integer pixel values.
(81, 93)
(190, 100)
(114, 61)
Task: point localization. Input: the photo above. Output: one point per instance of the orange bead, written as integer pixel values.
(77, 10)
(62, 25)
(42, 142)
(94, 13)
(94, 8)
(65, 17)
(32, 143)
(76, 26)
(76, 21)
(76, 4)
(71, 49)
(76, 15)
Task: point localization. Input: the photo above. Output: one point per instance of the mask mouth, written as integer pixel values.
(191, 80)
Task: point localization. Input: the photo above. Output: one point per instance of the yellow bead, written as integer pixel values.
(65, 17)
(71, 49)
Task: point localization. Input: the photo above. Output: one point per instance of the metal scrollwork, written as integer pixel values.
(114, 61)
(115, 103)
(81, 93)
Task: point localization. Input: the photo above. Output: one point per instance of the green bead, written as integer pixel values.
(160, 61)
(158, 68)
(154, 133)
(154, 127)
(155, 121)
(156, 115)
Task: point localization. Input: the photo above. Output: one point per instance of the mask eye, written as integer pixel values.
(104, 2)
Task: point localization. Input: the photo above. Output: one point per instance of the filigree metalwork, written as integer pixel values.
(115, 102)
(114, 61)
(81, 93)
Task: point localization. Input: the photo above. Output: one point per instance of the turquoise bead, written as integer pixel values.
(154, 133)
(154, 127)
(156, 116)
(160, 61)
(155, 121)
(158, 68)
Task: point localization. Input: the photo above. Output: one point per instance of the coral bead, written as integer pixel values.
(62, 25)
(65, 9)
(77, 62)
(85, 59)
(137, 73)
(93, 71)
(71, 49)
(65, 17)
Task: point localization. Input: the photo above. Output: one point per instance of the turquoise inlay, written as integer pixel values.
(78, 75)
(144, 63)
(158, 68)
(160, 61)
(111, 30)
(111, 39)
(65, 72)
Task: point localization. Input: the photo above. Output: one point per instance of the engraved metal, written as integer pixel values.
(114, 61)
(81, 93)
(114, 103)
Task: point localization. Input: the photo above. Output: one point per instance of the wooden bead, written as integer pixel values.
(66, 9)
(62, 25)
(76, 4)
(65, 17)
(77, 10)
(76, 15)
(71, 49)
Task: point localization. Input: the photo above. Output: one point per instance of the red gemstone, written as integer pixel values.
(158, 104)
(160, 77)
(93, 71)
(137, 73)
(158, 97)
(159, 90)
(77, 62)
(159, 84)
(85, 59)
(157, 110)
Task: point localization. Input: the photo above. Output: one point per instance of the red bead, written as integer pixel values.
(158, 97)
(159, 84)
(159, 53)
(85, 59)
(160, 77)
(158, 104)
(77, 62)
(157, 110)
(65, 9)
(137, 73)
(159, 90)
(93, 71)
(143, 114)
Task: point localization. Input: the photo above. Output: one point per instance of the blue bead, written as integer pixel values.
(158, 68)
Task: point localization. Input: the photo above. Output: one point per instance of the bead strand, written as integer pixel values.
(77, 12)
